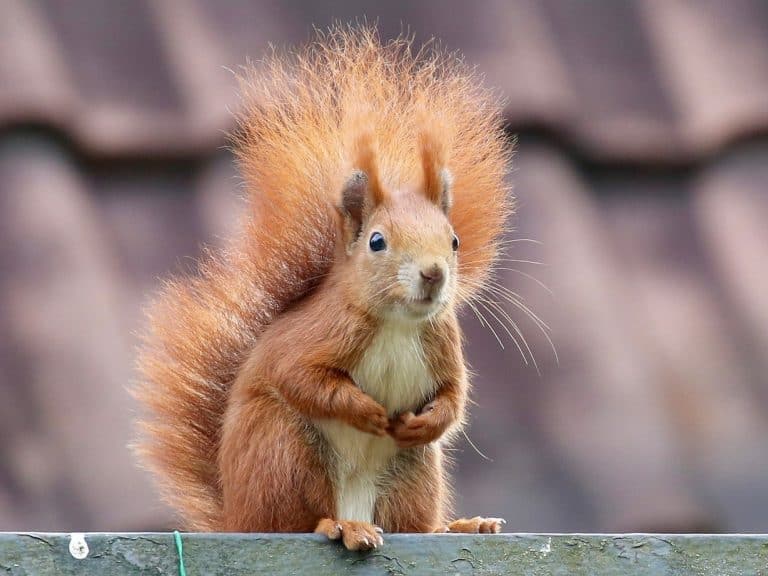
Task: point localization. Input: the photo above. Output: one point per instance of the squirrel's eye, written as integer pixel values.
(377, 242)
(455, 242)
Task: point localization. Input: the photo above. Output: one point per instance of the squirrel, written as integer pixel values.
(309, 376)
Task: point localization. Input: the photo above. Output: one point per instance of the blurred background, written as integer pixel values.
(641, 173)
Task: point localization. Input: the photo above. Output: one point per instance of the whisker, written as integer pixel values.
(485, 322)
(476, 449)
(494, 261)
(530, 277)
(499, 248)
(504, 326)
(515, 298)
(385, 289)
(540, 324)
(517, 330)
(531, 240)
(534, 262)
(315, 277)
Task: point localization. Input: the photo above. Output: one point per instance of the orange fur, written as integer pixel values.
(432, 161)
(244, 360)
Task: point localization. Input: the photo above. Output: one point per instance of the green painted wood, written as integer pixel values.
(443, 554)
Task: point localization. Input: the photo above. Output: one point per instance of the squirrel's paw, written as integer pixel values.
(371, 418)
(354, 535)
(409, 430)
(476, 525)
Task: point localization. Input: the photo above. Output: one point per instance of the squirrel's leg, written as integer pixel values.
(273, 477)
(354, 535)
(417, 495)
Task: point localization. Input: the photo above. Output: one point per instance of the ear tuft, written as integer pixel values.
(365, 158)
(438, 180)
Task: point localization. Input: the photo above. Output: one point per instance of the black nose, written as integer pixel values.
(432, 276)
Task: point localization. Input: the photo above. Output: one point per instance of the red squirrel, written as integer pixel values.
(310, 376)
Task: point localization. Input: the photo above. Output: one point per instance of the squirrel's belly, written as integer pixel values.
(394, 372)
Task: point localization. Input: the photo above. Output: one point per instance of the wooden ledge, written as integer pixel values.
(43, 554)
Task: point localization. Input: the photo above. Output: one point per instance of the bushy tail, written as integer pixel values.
(302, 117)
(199, 332)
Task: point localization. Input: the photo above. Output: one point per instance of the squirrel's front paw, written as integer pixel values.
(355, 535)
(409, 430)
(371, 418)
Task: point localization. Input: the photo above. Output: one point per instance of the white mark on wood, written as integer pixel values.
(78, 547)
(546, 548)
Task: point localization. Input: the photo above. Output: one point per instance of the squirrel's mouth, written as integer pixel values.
(424, 306)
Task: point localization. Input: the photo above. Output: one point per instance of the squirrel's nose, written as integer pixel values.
(433, 276)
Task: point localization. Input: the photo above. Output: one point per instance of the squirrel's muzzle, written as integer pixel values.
(432, 280)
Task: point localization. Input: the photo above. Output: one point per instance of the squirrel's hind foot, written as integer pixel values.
(354, 535)
(476, 525)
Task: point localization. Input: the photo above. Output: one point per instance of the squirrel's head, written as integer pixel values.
(400, 247)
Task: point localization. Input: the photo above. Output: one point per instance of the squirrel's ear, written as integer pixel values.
(353, 196)
(438, 180)
(446, 196)
(356, 203)
(439, 189)
(362, 192)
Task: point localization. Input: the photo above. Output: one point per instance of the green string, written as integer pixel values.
(180, 550)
